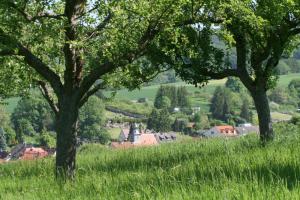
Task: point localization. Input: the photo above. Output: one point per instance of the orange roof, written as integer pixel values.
(33, 153)
(227, 130)
(146, 139)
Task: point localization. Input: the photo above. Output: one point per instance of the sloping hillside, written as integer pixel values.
(200, 169)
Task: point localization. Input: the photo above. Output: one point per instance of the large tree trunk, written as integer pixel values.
(264, 116)
(66, 126)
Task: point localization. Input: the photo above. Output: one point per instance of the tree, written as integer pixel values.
(47, 139)
(261, 32)
(5, 123)
(153, 120)
(166, 91)
(84, 44)
(3, 145)
(245, 111)
(221, 103)
(165, 122)
(32, 115)
(234, 84)
(295, 85)
(182, 96)
(279, 95)
(92, 119)
(162, 102)
(159, 120)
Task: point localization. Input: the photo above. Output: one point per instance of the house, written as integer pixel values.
(165, 137)
(26, 152)
(176, 109)
(3, 154)
(196, 109)
(245, 125)
(221, 131)
(134, 137)
(32, 153)
(244, 130)
(124, 135)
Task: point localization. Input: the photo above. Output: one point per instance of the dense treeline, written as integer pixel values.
(176, 96)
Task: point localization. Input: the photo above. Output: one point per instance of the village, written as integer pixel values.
(131, 136)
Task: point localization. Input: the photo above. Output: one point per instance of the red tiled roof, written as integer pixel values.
(144, 140)
(147, 139)
(33, 153)
(226, 130)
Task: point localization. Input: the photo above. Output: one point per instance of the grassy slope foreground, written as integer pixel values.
(200, 169)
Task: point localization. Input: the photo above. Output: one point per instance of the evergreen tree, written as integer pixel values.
(217, 102)
(158, 97)
(182, 96)
(234, 84)
(2, 140)
(166, 91)
(221, 104)
(159, 120)
(153, 120)
(165, 122)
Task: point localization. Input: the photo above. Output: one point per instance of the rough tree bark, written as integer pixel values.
(66, 126)
(264, 116)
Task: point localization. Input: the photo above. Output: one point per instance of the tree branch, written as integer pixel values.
(33, 61)
(45, 92)
(91, 92)
(101, 26)
(220, 74)
(295, 31)
(7, 52)
(30, 18)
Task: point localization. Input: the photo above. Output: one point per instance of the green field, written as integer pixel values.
(149, 92)
(200, 169)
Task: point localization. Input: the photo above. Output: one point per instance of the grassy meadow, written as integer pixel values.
(196, 169)
(150, 91)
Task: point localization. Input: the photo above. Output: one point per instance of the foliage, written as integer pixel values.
(32, 115)
(92, 119)
(5, 123)
(246, 113)
(284, 96)
(159, 120)
(221, 104)
(177, 95)
(235, 85)
(296, 120)
(47, 139)
(179, 125)
(295, 85)
(3, 145)
(201, 121)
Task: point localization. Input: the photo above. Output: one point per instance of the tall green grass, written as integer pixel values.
(200, 169)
